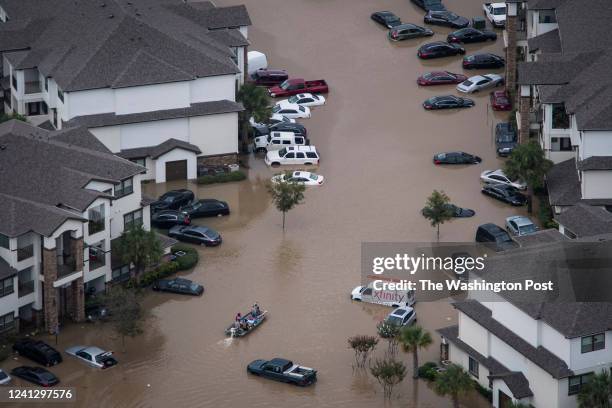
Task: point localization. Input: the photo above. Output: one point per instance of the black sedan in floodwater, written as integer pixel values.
(484, 60)
(36, 375)
(439, 49)
(459, 212)
(456, 158)
(206, 208)
(169, 218)
(408, 31)
(446, 19)
(447, 102)
(195, 234)
(471, 35)
(505, 193)
(386, 19)
(172, 200)
(179, 285)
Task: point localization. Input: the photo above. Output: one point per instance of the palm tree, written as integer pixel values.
(528, 163)
(597, 393)
(413, 338)
(139, 247)
(437, 210)
(453, 382)
(256, 104)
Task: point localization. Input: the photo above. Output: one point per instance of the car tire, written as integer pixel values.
(307, 164)
(275, 164)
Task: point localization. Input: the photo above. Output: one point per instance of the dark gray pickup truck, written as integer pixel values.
(283, 370)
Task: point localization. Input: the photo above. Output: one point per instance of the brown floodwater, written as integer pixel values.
(376, 143)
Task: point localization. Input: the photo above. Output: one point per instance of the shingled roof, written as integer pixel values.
(44, 175)
(89, 44)
(155, 151)
(585, 220)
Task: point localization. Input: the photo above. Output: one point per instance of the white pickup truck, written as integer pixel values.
(495, 13)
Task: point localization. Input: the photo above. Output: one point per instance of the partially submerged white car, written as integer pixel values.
(495, 13)
(291, 110)
(274, 118)
(301, 177)
(479, 82)
(296, 155)
(392, 298)
(93, 356)
(498, 177)
(305, 99)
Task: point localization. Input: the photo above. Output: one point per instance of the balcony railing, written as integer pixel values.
(32, 87)
(66, 269)
(25, 288)
(25, 252)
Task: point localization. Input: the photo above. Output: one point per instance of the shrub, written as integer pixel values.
(428, 371)
(162, 271)
(545, 214)
(223, 178)
(187, 261)
(485, 392)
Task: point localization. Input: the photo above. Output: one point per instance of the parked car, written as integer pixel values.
(459, 212)
(291, 110)
(447, 102)
(440, 78)
(96, 312)
(495, 13)
(479, 82)
(439, 49)
(456, 158)
(38, 351)
(520, 225)
(280, 369)
(446, 19)
(505, 193)
(269, 77)
(173, 200)
(196, 234)
(4, 378)
(36, 375)
(300, 155)
(301, 177)
(296, 128)
(385, 297)
(297, 86)
(386, 19)
(495, 236)
(169, 218)
(506, 138)
(278, 140)
(430, 5)
(179, 285)
(208, 207)
(256, 60)
(274, 118)
(408, 31)
(498, 177)
(471, 35)
(483, 61)
(402, 316)
(93, 356)
(500, 101)
(305, 99)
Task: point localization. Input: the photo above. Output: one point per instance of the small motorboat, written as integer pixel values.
(247, 324)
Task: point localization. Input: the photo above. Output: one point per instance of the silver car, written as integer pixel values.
(519, 225)
(480, 82)
(93, 356)
(402, 316)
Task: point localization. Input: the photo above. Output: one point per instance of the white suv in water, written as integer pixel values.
(304, 155)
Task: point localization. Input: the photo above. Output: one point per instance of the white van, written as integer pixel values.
(278, 140)
(256, 60)
(393, 298)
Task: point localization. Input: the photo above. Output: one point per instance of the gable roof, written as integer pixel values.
(155, 151)
(584, 220)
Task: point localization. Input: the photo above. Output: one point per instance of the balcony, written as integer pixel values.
(66, 269)
(25, 252)
(25, 288)
(32, 87)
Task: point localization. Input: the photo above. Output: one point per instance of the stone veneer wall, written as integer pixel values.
(50, 301)
(218, 160)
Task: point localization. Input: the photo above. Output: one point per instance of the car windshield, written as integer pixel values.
(314, 177)
(211, 234)
(194, 286)
(285, 84)
(452, 16)
(506, 138)
(293, 99)
(276, 109)
(47, 376)
(282, 152)
(503, 238)
(3, 375)
(499, 11)
(527, 229)
(394, 320)
(467, 82)
(168, 199)
(428, 75)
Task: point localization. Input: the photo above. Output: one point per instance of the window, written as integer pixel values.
(132, 219)
(60, 95)
(4, 241)
(576, 382)
(124, 188)
(46, 84)
(121, 274)
(25, 282)
(6, 286)
(560, 118)
(593, 343)
(7, 321)
(547, 17)
(96, 219)
(14, 81)
(141, 162)
(473, 367)
(97, 256)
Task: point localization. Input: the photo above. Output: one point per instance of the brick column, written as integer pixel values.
(76, 250)
(524, 105)
(50, 301)
(511, 23)
(77, 292)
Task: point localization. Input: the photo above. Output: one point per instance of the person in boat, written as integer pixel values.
(255, 311)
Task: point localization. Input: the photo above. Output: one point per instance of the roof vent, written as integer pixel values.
(111, 16)
(103, 5)
(2, 147)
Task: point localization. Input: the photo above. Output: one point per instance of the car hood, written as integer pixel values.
(273, 154)
(356, 291)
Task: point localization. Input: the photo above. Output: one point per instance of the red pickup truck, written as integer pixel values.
(298, 85)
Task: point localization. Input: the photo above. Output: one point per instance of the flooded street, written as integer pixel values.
(376, 143)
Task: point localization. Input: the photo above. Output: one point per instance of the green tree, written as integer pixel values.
(362, 345)
(256, 103)
(6, 117)
(412, 339)
(453, 382)
(125, 311)
(388, 373)
(597, 393)
(286, 195)
(389, 332)
(437, 210)
(528, 163)
(139, 247)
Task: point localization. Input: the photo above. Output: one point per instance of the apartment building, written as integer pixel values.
(65, 198)
(135, 73)
(538, 350)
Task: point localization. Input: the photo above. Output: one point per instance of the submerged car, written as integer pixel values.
(38, 351)
(483, 61)
(291, 110)
(4, 378)
(519, 225)
(506, 138)
(447, 102)
(504, 193)
(479, 82)
(305, 99)
(301, 177)
(500, 101)
(439, 49)
(459, 212)
(440, 78)
(446, 19)
(169, 218)
(93, 356)
(499, 177)
(495, 236)
(208, 207)
(402, 316)
(283, 370)
(430, 5)
(172, 200)
(408, 31)
(179, 285)
(269, 77)
(36, 375)
(386, 19)
(456, 158)
(471, 35)
(196, 234)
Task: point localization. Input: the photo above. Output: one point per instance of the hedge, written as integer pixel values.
(187, 261)
(181, 263)
(222, 178)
